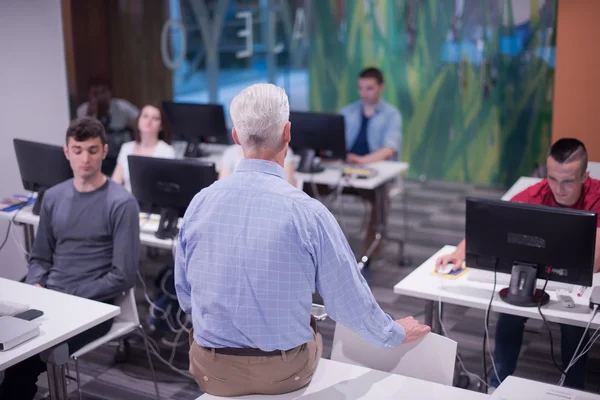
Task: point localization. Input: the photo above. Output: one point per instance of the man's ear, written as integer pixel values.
(66, 151)
(234, 134)
(105, 150)
(287, 132)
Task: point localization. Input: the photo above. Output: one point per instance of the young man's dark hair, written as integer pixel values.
(569, 149)
(372, 72)
(99, 81)
(86, 128)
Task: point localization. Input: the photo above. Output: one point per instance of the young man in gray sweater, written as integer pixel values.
(87, 243)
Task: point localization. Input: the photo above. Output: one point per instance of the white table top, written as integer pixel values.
(386, 170)
(64, 317)
(332, 175)
(464, 292)
(513, 388)
(335, 380)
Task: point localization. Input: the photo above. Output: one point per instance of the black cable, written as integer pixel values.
(487, 322)
(539, 307)
(6, 235)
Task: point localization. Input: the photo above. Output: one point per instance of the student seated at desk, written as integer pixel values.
(87, 243)
(373, 132)
(251, 252)
(568, 185)
(234, 154)
(150, 139)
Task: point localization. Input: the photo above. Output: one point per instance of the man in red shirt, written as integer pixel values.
(568, 185)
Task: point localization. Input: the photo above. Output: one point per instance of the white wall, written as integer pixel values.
(33, 96)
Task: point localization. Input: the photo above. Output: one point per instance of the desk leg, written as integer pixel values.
(380, 194)
(431, 316)
(56, 359)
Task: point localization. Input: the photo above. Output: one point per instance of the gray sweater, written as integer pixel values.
(87, 243)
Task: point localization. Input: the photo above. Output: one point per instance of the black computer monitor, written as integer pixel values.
(196, 124)
(41, 166)
(166, 187)
(528, 241)
(317, 134)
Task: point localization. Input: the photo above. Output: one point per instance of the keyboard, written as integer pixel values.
(8, 308)
(502, 280)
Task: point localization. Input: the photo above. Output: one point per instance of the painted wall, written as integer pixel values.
(473, 80)
(577, 83)
(33, 99)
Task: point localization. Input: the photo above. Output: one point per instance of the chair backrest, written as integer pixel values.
(431, 358)
(128, 307)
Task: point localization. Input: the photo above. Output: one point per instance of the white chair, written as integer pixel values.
(126, 322)
(594, 169)
(431, 358)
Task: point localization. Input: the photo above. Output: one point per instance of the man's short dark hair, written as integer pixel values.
(103, 81)
(569, 149)
(86, 128)
(372, 72)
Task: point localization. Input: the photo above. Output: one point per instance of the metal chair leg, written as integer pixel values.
(141, 329)
(78, 378)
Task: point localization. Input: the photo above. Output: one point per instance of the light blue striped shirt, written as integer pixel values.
(251, 251)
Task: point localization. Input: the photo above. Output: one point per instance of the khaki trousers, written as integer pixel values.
(233, 375)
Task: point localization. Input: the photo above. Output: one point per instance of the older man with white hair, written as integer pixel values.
(252, 250)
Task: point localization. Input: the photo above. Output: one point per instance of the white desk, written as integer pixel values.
(335, 380)
(513, 388)
(64, 317)
(332, 175)
(464, 292)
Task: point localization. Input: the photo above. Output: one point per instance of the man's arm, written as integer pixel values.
(182, 286)
(347, 296)
(41, 258)
(126, 256)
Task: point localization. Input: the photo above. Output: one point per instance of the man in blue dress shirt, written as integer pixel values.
(251, 252)
(373, 133)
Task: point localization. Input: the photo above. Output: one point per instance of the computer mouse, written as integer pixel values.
(447, 269)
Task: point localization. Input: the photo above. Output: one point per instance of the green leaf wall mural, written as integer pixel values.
(473, 79)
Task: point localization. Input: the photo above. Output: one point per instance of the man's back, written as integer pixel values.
(252, 273)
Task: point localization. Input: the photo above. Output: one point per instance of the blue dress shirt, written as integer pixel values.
(251, 251)
(384, 128)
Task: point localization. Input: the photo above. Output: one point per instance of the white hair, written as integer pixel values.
(259, 114)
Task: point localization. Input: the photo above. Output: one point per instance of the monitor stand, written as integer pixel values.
(167, 227)
(522, 291)
(309, 162)
(194, 150)
(37, 206)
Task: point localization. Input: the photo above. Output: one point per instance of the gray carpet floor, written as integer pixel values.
(436, 215)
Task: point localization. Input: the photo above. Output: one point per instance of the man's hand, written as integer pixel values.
(452, 258)
(414, 330)
(38, 285)
(355, 159)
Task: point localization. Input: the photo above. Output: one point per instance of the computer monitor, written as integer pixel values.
(196, 124)
(41, 166)
(166, 187)
(317, 134)
(529, 242)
